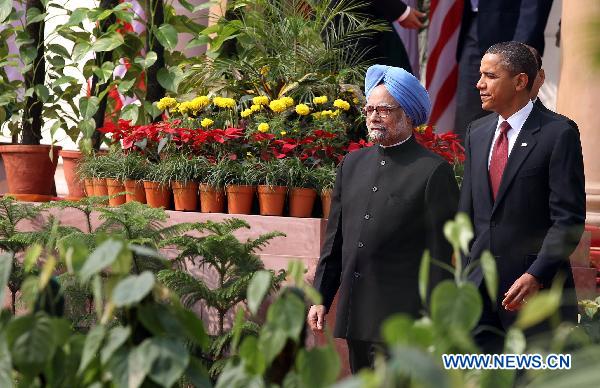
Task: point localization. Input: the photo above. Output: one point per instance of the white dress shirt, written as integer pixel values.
(516, 122)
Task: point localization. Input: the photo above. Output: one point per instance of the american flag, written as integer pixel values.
(441, 73)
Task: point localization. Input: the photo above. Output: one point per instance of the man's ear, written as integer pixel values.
(542, 74)
(521, 81)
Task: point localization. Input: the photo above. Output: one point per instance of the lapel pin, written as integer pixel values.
(523, 144)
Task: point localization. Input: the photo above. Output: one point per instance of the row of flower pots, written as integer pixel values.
(186, 196)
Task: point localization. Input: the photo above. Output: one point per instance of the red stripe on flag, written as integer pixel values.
(451, 23)
(444, 96)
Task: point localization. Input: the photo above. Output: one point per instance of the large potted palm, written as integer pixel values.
(29, 165)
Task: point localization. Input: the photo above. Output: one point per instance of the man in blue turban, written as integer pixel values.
(389, 204)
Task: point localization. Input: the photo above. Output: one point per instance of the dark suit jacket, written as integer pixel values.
(504, 20)
(388, 206)
(538, 216)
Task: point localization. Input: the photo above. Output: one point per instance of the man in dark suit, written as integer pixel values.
(484, 23)
(523, 189)
(389, 204)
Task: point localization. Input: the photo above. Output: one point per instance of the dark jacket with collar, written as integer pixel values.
(388, 206)
(538, 216)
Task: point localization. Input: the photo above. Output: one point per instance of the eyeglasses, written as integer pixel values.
(382, 110)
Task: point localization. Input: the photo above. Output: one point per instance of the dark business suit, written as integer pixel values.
(538, 216)
(388, 206)
(496, 21)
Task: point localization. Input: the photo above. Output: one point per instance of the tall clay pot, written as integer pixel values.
(134, 191)
(271, 200)
(212, 200)
(239, 199)
(157, 194)
(89, 187)
(302, 201)
(326, 202)
(74, 183)
(185, 195)
(30, 170)
(100, 188)
(115, 186)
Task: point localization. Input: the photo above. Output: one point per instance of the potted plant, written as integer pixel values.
(113, 171)
(272, 177)
(212, 181)
(181, 171)
(156, 185)
(135, 168)
(302, 183)
(240, 178)
(325, 177)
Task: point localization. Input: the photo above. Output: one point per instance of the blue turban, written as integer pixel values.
(404, 87)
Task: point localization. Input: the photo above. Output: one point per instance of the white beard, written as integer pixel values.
(376, 136)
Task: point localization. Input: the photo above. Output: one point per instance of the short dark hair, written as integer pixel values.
(516, 58)
(536, 54)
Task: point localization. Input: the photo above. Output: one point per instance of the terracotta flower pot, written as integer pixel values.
(326, 202)
(239, 199)
(271, 200)
(29, 169)
(211, 200)
(115, 186)
(74, 183)
(157, 194)
(100, 188)
(89, 187)
(185, 195)
(302, 201)
(134, 191)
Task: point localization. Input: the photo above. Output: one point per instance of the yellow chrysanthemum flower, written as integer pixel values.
(246, 113)
(260, 100)
(317, 115)
(288, 101)
(166, 103)
(206, 122)
(263, 127)
(283, 133)
(320, 100)
(421, 128)
(302, 109)
(341, 104)
(255, 108)
(199, 102)
(224, 102)
(184, 107)
(277, 106)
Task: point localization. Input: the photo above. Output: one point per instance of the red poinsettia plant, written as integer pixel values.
(447, 144)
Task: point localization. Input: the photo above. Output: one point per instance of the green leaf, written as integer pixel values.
(296, 272)
(424, 275)
(539, 307)
(80, 50)
(455, 306)
(171, 360)
(118, 366)
(105, 72)
(93, 340)
(5, 362)
(31, 256)
(140, 361)
(419, 366)
(5, 9)
(31, 342)
(77, 16)
(59, 49)
(87, 127)
(167, 36)
(88, 106)
(459, 232)
(193, 326)
(35, 15)
(42, 92)
(151, 108)
(170, 78)
(490, 274)
(254, 359)
(130, 112)
(6, 260)
(108, 42)
(515, 341)
(116, 337)
(319, 366)
(125, 85)
(65, 79)
(148, 61)
(133, 289)
(257, 289)
(101, 257)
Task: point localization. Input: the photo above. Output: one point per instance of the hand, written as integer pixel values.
(316, 318)
(523, 288)
(413, 20)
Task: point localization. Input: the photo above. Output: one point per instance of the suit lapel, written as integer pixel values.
(523, 146)
(481, 143)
